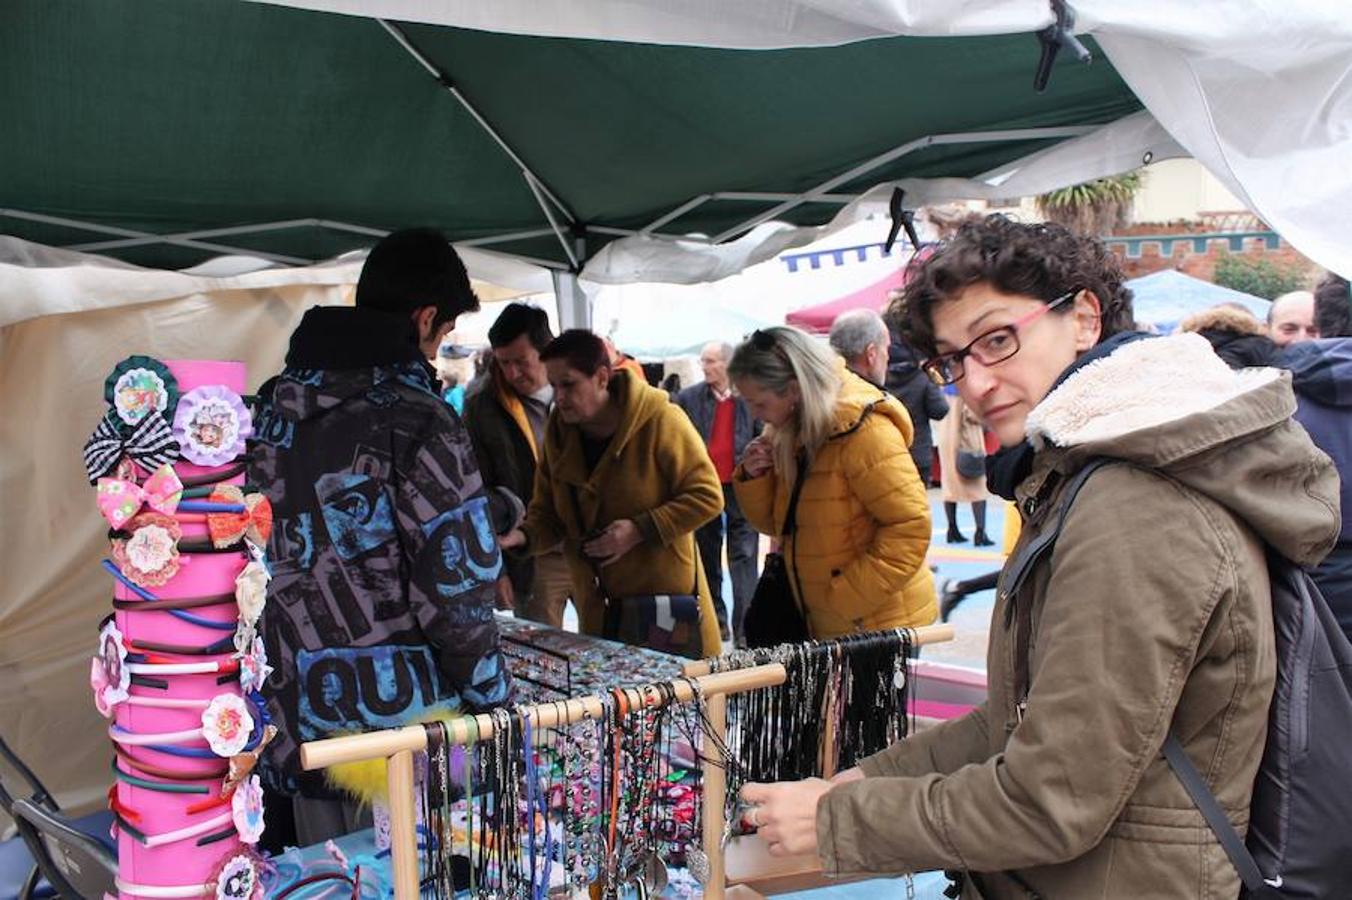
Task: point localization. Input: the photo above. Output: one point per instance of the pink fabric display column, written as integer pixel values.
(179, 665)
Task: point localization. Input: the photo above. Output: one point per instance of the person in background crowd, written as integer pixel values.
(623, 483)
(1333, 307)
(923, 399)
(861, 338)
(382, 556)
(619, 360)
(447, 366)
(863, 519)
(506, 421)
(1321, 373)
(1152, 616)
(1291, 319)
(1234, 333)
(962, 453)
(727, 427)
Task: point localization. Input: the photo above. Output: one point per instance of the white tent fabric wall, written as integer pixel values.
(1258, 90)
(52, 370)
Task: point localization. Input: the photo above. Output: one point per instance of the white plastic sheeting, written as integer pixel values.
(1260, 91)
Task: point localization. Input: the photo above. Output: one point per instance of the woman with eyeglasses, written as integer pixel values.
(862, 519)
(1150, 616)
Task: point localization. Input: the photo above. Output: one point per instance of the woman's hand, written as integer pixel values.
(758, 458)
(785, 814)
(512, 539)
(614, 541)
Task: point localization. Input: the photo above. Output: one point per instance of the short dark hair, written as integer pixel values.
(413, 268)
(580, 349)
(1333, 307)
(1044, 261)
(518, 319)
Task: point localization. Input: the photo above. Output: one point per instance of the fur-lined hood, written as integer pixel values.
(1222, 318)
(1170, 404)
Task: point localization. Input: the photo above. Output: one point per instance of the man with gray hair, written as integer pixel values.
(727, 426)
(862, 338)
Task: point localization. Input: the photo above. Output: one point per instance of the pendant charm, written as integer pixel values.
(697, 861)
(899, 674)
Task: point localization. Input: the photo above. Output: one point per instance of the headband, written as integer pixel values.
(239, 877)
(226, 727)
(148, 550)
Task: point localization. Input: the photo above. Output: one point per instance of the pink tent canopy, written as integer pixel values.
(817, 319)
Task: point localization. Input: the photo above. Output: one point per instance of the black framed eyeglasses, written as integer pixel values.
(995, 346)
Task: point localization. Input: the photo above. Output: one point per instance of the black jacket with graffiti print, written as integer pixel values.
(383, 555)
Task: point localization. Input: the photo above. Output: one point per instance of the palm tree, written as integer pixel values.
(1095, 207)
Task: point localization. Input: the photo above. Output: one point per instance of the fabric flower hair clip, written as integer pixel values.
(211, 425)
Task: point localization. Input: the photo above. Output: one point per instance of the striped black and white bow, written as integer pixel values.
(150, 444)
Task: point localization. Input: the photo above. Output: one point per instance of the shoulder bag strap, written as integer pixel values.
(1019, 567)
(1195, 785)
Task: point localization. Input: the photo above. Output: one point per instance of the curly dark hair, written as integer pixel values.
(1333, 307)
(1043, 261)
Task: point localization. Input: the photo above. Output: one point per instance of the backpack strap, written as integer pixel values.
(1019, 567)
(1201, 795)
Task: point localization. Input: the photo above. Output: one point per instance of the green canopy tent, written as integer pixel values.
(165, 131)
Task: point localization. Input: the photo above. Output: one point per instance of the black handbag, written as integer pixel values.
(971, 465)
(775, 616)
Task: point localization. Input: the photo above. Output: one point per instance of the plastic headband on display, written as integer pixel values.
(239, 876)
(148, 550)
(227, 727)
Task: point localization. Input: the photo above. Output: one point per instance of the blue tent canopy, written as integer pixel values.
(1164, 299)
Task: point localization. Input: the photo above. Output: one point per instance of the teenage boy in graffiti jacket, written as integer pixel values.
(383, 555)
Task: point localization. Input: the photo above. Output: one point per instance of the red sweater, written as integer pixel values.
(721, 438)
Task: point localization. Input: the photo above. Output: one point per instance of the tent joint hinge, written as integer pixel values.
(1053, 38)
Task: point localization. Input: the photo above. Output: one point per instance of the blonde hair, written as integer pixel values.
(778, 357)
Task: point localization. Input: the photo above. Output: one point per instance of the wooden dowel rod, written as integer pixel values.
(926, 634)
(376, 744)
(403, 826)
(715, 787)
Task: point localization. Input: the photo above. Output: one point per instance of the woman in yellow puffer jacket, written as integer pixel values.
(863, 518)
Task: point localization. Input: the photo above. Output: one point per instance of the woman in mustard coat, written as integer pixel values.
(863, 519)
(623, 482)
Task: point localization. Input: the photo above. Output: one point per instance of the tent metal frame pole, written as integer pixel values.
(771, 197)
(445, 81)
(146, 237)
(553, 222)
(505, 238)
(934, 140)
(259, 228)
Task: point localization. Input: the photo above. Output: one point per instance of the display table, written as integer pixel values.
(360, 849)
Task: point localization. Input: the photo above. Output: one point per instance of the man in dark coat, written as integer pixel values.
(727, 426)
(506, 419)
(923, 399)
(383, 554)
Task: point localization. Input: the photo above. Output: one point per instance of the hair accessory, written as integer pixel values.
(253, 523)
(140, 386)
(228, 666)
(226, 724)
(253, 666)
(120, 499)
(251, 594)
(150, 445)
(108, 673)
(150, 556)
(242, 764)
(212, 424)
(246, 807)
(239, 876)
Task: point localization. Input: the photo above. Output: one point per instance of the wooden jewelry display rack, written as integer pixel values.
(750, 872)
(397, 746)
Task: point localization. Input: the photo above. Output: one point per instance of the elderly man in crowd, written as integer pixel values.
(727, 426)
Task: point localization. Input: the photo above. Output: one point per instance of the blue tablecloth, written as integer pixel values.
(360, 850)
